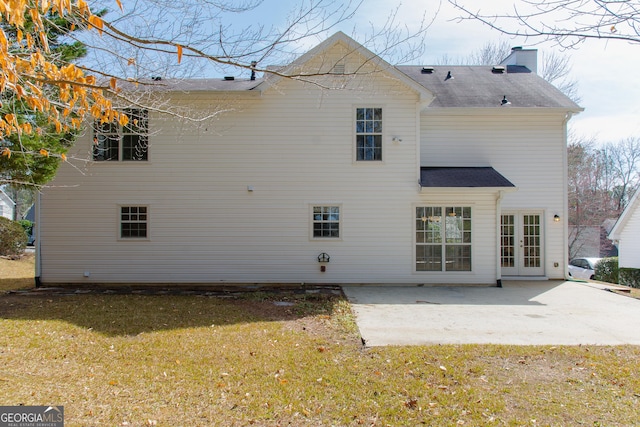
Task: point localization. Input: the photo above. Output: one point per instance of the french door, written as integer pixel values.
(522, 243)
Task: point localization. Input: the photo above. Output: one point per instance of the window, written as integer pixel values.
(127, 143)
(326, 222)
(443, 238)
(133, 222)
(368, 134)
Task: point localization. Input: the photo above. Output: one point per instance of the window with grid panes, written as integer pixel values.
(113, 142)
(368, 134)
(326, 222)
(443, 238)
(133, 222)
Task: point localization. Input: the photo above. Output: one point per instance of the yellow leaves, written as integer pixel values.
(96, 22)
(179, 53)
(113, 83)
(123, 120)
(63, 157)
(43, 152)
(63, 93)
(11, 119)
(131, 61)
(5, 152)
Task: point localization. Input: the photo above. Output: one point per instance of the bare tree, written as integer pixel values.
(601, 181)
(565, 22)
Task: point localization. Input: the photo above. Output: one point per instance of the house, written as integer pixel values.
(625, 232)
(7, 206)
(361, 172)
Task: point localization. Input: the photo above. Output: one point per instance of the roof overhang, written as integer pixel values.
(481, 179)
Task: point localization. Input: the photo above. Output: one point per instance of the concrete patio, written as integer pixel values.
(521, 313)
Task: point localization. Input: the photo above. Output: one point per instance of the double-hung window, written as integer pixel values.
(113, 142)
(443, 238)
(326, 222)
(134, 222)
(368, 134)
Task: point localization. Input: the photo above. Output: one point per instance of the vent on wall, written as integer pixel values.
(427, 70)
(338, 69)
(498, 69)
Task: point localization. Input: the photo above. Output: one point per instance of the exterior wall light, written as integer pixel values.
(556, 218)
(323, 258)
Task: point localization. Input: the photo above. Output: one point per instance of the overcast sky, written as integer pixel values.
(607, 73)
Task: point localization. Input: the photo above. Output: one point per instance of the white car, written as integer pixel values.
(583, 268)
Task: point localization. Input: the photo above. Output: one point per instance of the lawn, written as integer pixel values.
(146, 360)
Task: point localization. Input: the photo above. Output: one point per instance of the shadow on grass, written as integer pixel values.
(122, 315)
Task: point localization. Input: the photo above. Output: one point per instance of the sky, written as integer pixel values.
(607, 73)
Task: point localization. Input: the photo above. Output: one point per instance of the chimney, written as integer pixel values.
(524, 57)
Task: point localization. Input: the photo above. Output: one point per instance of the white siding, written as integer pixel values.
(629, 243)
(527, 147)
(295, 146)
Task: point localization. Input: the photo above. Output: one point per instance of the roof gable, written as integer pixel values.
(325, 61)
(618, 228)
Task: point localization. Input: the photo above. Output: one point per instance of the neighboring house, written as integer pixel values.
(626, 234)
(366, 173)
(7, 206)
(591, 241)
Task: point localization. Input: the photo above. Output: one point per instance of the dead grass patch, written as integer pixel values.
(18, 273)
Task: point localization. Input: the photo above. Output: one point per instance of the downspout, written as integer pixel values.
(498, 240)
(565, 202)
(37, 239)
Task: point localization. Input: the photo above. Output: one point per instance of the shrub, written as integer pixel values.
(27, 225)
(606, 270)
(630, 277)
(13, 238)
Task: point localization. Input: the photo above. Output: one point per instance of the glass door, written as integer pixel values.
(521, 238)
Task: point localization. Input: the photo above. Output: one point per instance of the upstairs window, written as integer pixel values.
(368, 134)
(112, 142)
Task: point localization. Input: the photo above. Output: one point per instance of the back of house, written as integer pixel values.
(360, 172)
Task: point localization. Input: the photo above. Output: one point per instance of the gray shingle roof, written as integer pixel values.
(194, 85)
(482, 87)
(462, 177)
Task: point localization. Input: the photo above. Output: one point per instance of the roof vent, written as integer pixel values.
(499, 69)
(449, 76)
(229, 78)
(156, 78)
(427, 70)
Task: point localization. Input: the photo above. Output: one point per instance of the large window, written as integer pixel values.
(114, 142)
(443, 238)
(326, 222)
(133, 222)
(369, 133)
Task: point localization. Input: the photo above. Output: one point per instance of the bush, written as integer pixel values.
(607, 270)
(13, 238)
(630, 277)
(27, 225)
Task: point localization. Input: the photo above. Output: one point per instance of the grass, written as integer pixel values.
(140, 360)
